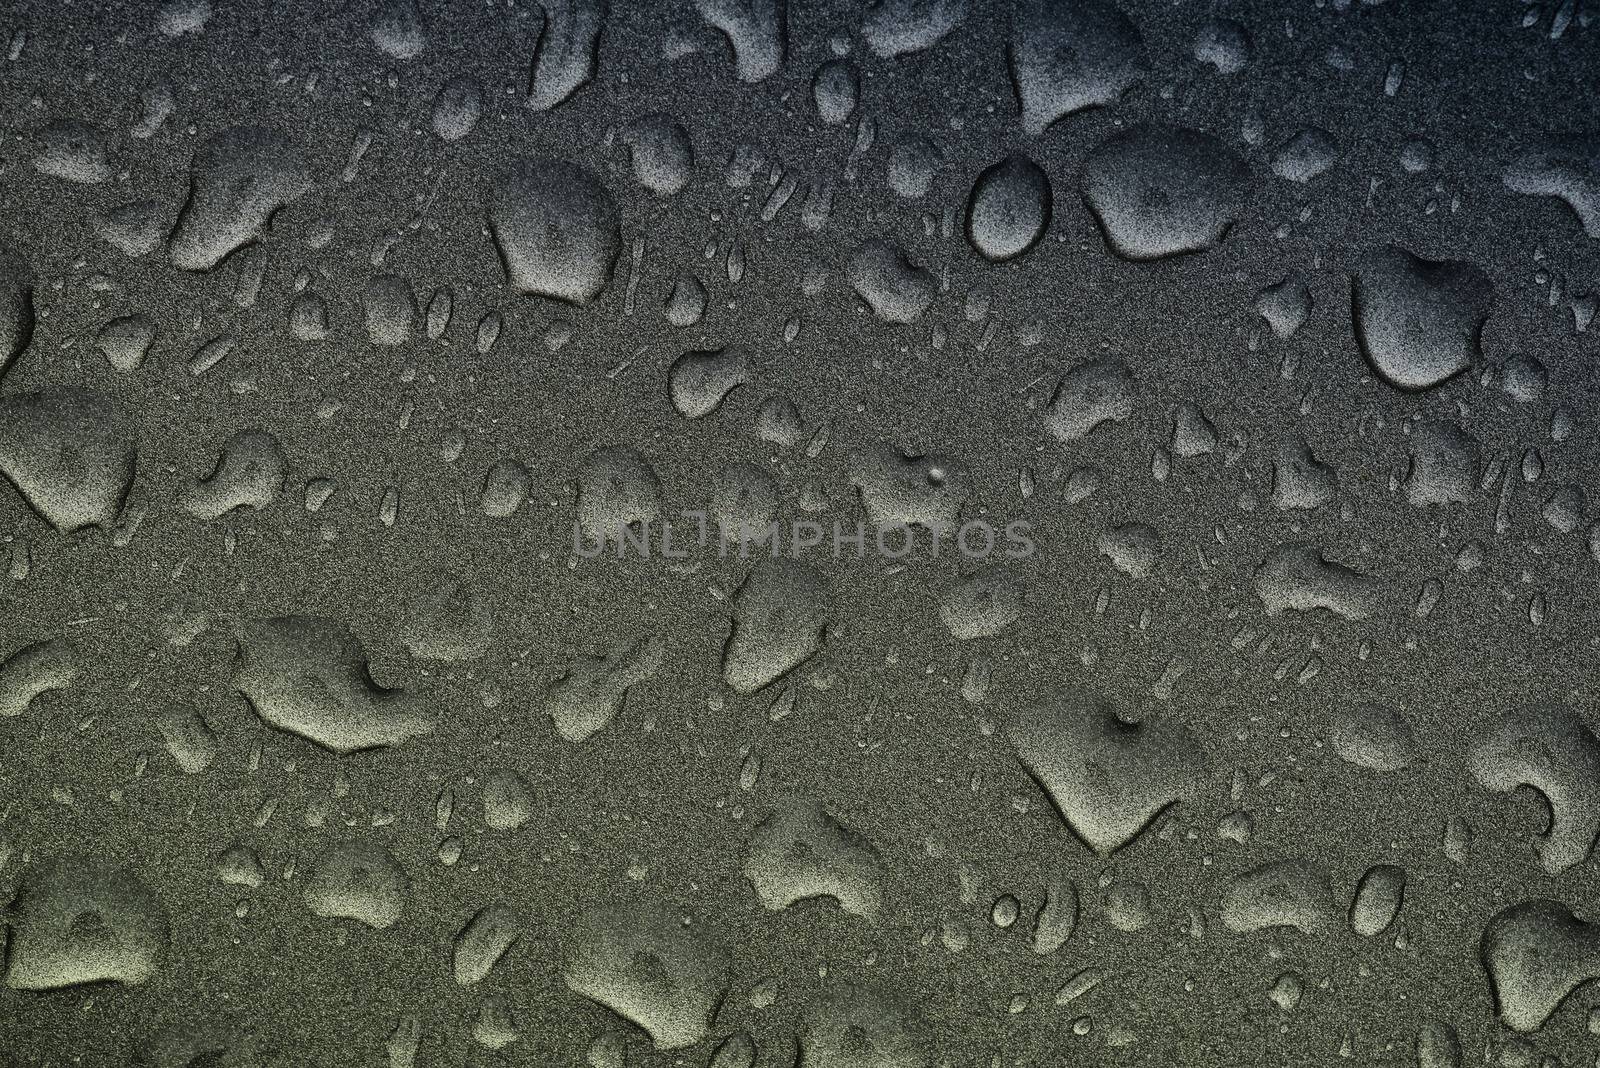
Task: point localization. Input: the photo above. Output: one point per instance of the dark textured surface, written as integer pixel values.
(788, 812)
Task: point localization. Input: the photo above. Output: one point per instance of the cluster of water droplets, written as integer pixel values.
(347, 362)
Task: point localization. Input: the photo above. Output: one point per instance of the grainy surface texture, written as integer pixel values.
(741, 534)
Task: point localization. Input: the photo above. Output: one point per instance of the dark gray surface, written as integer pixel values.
(922, 806)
